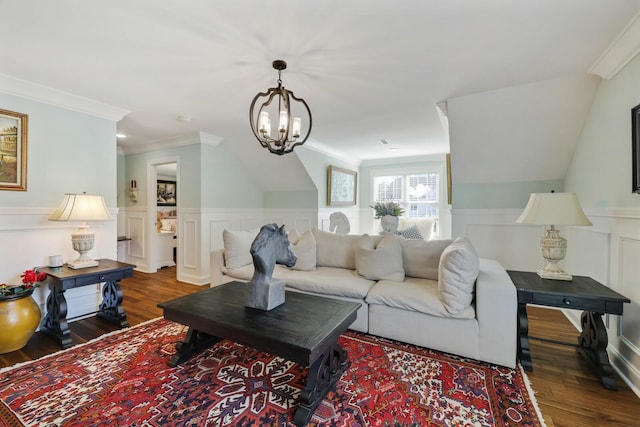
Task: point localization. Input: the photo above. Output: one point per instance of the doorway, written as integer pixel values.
(163, 202)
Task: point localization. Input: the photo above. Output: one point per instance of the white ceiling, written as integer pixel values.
(369, 69)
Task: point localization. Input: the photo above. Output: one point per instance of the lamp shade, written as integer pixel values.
(553, 209)
(81, 207)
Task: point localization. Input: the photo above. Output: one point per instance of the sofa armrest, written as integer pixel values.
(496, 311)
(216, 262)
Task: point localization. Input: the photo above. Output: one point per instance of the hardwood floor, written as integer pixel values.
(568, 393)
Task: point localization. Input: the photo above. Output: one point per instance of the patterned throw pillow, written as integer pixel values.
(411, 233)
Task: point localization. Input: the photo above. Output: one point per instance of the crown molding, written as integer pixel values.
(622, 50)
(37, 92)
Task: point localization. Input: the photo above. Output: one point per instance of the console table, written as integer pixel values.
(63, 278)
(582, 293)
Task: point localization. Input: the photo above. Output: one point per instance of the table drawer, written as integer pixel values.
(577, 303)
(101, 277)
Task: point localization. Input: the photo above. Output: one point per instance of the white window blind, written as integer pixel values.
(418, 193)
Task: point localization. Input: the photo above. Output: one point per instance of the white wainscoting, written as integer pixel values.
(609, 252)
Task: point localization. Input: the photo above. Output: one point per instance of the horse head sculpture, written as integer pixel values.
(270, 247)
(339, 222)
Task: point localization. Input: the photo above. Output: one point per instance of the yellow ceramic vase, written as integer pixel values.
(19, 319)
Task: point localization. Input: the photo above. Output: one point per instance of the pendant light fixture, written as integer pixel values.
(283, 104)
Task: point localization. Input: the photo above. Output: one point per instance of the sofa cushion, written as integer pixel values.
(336, 250)
(383, 262)
(304, 246)
(329, 281)
(414, 294)
(237, 247)
(457, 273)
(422, 257)
(411, 233)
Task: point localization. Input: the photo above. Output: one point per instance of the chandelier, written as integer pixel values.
(279, 102)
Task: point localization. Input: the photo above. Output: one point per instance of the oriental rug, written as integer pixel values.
(122, 379)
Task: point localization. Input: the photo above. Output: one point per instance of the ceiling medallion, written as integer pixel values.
(288, 135)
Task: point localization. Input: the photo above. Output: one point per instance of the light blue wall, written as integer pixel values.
(503, 195)
(291, 199)
(600, 171)
(67, 152)
(225, 181)
(189, 186)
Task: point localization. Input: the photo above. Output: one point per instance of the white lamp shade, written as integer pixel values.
(81, 207)
(553, 209)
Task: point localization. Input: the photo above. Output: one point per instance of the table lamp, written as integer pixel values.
(553, 209)
(82, 207)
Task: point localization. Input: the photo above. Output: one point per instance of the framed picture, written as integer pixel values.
(166, 194)
(342, 185)
(635, 147)
(13, 150)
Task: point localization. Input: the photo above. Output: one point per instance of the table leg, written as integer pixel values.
(194, 343)
(54, 323)
(323, 374)
(593, 346)
(111, 307)
(524, 351)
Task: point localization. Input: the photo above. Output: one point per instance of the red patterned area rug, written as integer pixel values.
(122, 379)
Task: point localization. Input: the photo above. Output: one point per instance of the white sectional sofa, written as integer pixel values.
(436, 294)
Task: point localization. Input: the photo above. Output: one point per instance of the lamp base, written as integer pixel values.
(555, 275)
(77, 264)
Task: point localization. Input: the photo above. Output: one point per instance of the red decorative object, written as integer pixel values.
(124, 379)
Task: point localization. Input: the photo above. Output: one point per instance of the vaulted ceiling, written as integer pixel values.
(369, 69)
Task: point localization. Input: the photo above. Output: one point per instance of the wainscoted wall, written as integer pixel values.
(609, 252)
(28, 238)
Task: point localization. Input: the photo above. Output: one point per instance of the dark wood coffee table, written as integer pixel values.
(304, 329)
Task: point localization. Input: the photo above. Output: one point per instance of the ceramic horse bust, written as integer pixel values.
(339, 222)
(270, 247)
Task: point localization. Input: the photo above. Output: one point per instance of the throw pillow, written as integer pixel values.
(382, 263)
(336, 250)
(457, 274)
(422, 257)
(304, 246)
(237, 247)
(411, 233)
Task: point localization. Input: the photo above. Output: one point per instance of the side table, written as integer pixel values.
(63, 278)
(582, 293)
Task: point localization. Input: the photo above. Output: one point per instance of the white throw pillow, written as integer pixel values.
(422, 257)
(237, 247)
(382, 263)
(336, 250)
(304, 246)
(457, 274)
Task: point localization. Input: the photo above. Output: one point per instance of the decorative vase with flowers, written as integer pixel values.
(388, 213)
(19, 313)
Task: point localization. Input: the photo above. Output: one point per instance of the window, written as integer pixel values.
(418, 193)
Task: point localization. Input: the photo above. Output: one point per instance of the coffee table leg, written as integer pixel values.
(593, 346)
(323, 374)
(195, 342)
(524, 351)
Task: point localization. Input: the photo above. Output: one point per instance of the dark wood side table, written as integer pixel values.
(582, 293)
(63, 278)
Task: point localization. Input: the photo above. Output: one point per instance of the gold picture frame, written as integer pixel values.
(342, 186)
(13, 150)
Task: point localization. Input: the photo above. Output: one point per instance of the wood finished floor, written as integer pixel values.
(568, 393)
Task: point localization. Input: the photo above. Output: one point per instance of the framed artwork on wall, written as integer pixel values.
(166, 194)
(635, 147)
(342, 186)
(13, 150)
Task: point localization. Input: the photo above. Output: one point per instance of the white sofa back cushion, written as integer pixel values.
(457, 274)
(304, 246)
(421, 257)
(383, 262)
(336, 250)
(237, 247)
